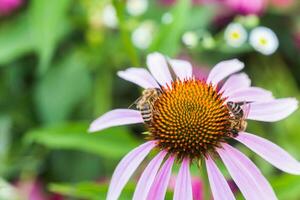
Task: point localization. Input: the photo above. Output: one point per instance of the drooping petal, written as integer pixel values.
(116, 117)
(246, 175)
(148, 176)
(182, 68)
(139, 76)
(272, 110)
(224, 69)
(270, 152)
(159, 187)
(183, 187)
(235, 82)
(250, 94)
(158, 67)
(219, 186)
(126, 168)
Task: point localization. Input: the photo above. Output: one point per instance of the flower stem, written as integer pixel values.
(205, 182)
(129, 48)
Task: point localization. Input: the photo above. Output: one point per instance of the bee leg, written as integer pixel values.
(234, 132)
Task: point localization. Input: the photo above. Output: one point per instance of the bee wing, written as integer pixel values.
(246, 109)
(135, 102)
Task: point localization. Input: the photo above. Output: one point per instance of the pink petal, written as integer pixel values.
(219, 186)
(246, 175)
(126, 168)
(148, 176)
(183, 187)
(250, 94)
(224, 69)
(270, 152)
(139, 76)
(116, 117)
(235, 82)
(182, 68)
(272, 110)
(158, 67)
(160, 184)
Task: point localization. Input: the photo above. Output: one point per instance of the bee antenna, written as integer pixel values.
(134, 103)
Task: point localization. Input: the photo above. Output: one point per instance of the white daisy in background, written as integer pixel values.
(264, 40)
(190, 39)
(136, 7)
(142, 36)
(235, 35)
(167, 18)
(109, 16)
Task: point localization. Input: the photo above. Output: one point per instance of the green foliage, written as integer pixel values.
(39, 30)
(62, 88)
(111, 143)
(15, 39)
(90, 191)
(167, 40)
(48, 23)
(286, 187)
(87, 190)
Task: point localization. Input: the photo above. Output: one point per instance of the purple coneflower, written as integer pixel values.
(191, 123)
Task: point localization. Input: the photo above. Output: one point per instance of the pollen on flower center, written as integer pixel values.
(189, 119)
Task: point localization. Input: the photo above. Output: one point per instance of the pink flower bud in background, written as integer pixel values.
(245, 6)
(31, 189)
(197, 187)
(8, 6)
(282, 3)
(170, 2)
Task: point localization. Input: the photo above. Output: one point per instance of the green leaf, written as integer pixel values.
(15, 39)
(110, 143)
(48, 23)
(94, 191)
(287, 187)
(205, 14)
(5, 140)
(87, 190)
(62, 88)
(167, 41)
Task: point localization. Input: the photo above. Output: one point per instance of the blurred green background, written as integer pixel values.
(58, 64)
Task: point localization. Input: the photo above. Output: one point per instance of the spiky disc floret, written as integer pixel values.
(189, 119)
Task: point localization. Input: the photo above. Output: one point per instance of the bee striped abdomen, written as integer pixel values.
(236, 109)
(146, 102)
(146, 113)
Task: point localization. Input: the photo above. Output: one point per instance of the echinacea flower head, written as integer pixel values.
(235, 35)
(264, 40)
(191, 121)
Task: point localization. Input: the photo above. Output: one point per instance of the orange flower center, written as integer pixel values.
(189, 119)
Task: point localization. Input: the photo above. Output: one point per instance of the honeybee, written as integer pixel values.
(146, 102)
(238, 116)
